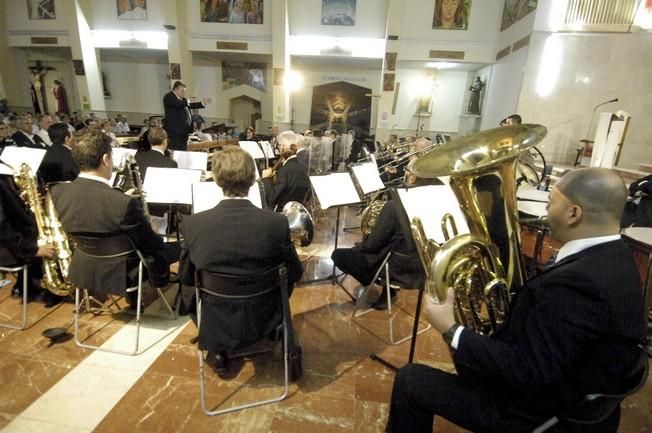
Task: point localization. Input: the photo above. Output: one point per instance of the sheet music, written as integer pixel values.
(191, 160)
(532, 208)
(118, 155)
(251, 147)
(170, 185)
(335, 189)
(205, 195)
(267, 149)
(528, 192)
(368, 177)
(15, 156)
(430, 203)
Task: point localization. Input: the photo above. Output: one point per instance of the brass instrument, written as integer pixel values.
(300, 222)
(50, 231)
(370, 214)
(484, 267)
(406, 157)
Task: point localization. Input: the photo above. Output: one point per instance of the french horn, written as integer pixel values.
(302, 228)
(484, 267)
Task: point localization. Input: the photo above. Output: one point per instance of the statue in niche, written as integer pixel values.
(59, 93)
(37, 72)
(474, 100)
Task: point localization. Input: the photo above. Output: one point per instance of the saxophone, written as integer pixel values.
(50, 231)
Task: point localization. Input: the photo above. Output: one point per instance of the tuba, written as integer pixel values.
(300, 222)
(50, 231)
(484, 267)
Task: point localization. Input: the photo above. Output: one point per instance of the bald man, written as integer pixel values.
(572, 330)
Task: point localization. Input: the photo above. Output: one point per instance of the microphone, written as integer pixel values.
(588, 131)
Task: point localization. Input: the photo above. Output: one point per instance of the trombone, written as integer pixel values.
(407, 156)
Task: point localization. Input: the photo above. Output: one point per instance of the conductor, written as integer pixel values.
(178, 123)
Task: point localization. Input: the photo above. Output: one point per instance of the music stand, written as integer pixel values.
(428, 203)
(366, 179)
(334, 190)
(191, 160)
(206, 195)
(13, 157)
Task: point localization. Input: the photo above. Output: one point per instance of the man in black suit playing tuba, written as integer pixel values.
(571, 330)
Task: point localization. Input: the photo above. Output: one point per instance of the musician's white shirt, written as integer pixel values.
(96, 178)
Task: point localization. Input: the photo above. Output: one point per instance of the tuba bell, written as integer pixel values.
(484, 267)
(302, 227)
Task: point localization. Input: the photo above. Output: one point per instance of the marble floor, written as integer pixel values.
(59, 387)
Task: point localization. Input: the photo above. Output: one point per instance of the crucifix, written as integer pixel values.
(37, 72)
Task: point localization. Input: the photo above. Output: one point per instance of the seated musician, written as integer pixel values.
(638, 211)
(303, 155)
(363, 260)
(291, 182)
(90, 206)
(58, 164)
(397, 170)
(572, 330)
(18, 243)
(156, 155)
(236, 238)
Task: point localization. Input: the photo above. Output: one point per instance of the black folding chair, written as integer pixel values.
(222, 287)
(596, 407)
(23, 322)
(107, 248)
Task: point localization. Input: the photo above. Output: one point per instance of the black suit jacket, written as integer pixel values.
(87, 206)
(153, 158)
(571, 330)
(237, 238)
(22, 140)
(303, 157)
(292, 184)
(177, 113)
(18, 231)
(58, 165)
(388, 234)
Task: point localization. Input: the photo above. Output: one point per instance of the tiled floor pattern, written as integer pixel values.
(60, 387)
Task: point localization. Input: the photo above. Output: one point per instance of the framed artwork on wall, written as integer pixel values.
(390, 61)
(131, 9)
(231, 11)
(451, 14)
(78, 66)
(175, 71)
(240, 73)
(40, 9)
(388, 82)
(514, 10)
(338, 12)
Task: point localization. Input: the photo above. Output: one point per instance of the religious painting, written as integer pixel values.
(424, 106)
(132, 9)
(239, 73)
(78, 66)
(175, 71)
(341, 106)
(338, 12)
(388, 82)
(451, 14)
(514, 10)
(279, 76)
(390, 61)
(40, 9)
(231, 11)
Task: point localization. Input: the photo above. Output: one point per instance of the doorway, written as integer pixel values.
(245, 111)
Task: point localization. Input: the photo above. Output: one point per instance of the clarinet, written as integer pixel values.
(136, 180)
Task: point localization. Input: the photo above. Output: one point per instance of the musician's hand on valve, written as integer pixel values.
(440, 315)
(268, 172)
(46, 250)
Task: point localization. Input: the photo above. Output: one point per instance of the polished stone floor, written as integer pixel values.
(62, 388)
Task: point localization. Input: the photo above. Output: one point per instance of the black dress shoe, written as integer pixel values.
(381, 302)
(16, 292)
(219, 362)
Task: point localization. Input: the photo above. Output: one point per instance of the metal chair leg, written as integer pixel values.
(23, 322)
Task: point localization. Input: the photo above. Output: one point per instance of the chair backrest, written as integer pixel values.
(231, 286)
(104, 247)
(596, 407)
